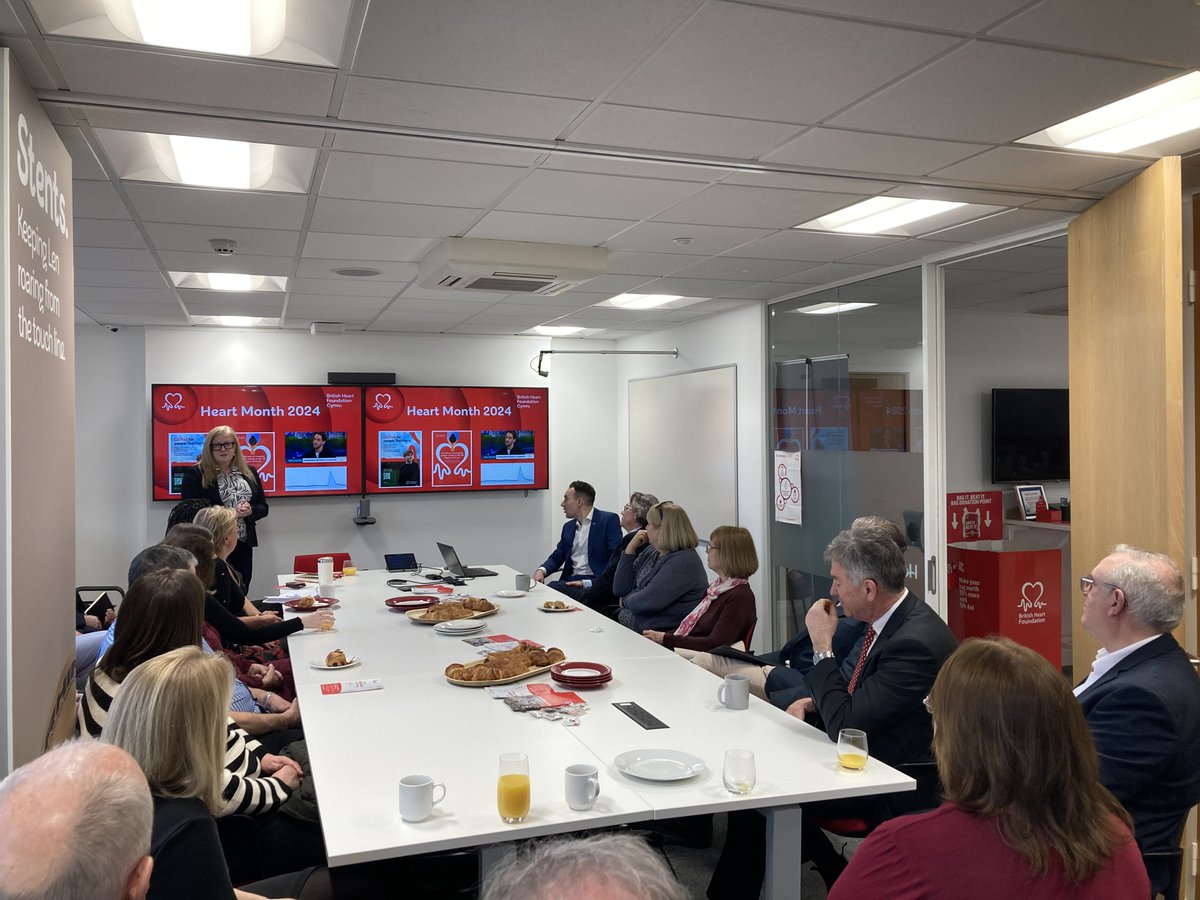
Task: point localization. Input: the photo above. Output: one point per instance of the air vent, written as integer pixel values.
(509, 267)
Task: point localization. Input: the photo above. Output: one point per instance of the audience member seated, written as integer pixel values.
(222, 522)
(660, 578)
(170, 716)
(158, 556)
(185, 511)
(597, 593)
(75, 822)
(588, 541)
(1024, 812)
(603, 867)
(1142, 698)
(727, 612)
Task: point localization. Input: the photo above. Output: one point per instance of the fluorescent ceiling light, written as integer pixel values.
(829, 309)
(228, 281)
(237, 321)
(557, 330)
(232, 27)
(211, 162)
(1151, 115)
(879, 214)
(643, 301)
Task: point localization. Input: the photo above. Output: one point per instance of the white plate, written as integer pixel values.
(320, 664)
(659, 765)
(569, 608)
(459, 626)
(511, 593)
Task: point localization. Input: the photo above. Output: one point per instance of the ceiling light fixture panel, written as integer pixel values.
(831, 308)
(880, 215)
(228, 281)
(230, 27)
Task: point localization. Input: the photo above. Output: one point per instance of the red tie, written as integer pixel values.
(868, 640)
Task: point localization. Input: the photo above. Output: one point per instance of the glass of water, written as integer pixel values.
(739, 774)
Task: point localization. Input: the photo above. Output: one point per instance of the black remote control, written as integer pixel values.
(640, 716)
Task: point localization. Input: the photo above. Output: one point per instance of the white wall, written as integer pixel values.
(116, 517)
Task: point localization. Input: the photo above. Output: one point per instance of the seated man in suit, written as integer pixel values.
(597, 592)
(895, 664)
(1142, 697)
(588, 541)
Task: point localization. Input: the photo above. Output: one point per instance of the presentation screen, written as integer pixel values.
(304, 440)
(422, 439)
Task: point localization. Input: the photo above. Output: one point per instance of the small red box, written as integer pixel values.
(1049, 515)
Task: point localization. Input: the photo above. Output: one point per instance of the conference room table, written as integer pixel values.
(362, 743)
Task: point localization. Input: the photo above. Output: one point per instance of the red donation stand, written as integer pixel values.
(1014, 593)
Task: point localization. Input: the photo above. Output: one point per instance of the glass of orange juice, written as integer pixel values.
(512, 788)
(852, 749)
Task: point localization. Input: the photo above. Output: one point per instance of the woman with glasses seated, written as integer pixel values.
(659, 577)
(1024, 812)
(726, 614)
(223, 477)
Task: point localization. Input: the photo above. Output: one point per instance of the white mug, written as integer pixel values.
(734, 692)
(325, 570)
(583, 786)
(524, 582)
(416, 797)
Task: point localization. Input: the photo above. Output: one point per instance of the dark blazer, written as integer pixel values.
(888, 702)
(192, 489)
(603, 538)
(1144, 713)
(785, 684)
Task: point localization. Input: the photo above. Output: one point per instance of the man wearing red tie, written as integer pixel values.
(895, 663)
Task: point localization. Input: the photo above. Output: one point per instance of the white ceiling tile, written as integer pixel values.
(321, 245)
(795, 181)
(827, 273)
(726, 204)
(242, 305)
(156, 316)
(163, 75)
(399, 326)
(229, 129)
(1061, 203)
(1025, 167)
(518, 226)
(250, 241)
(30, 63)
(357, 176)
(486, 298)
(93, 258)
(107, 233)
(721, 59)
(832, 148)
(447, 308)
(117, 278)
(10, 23)
(706, 240)
(89, 296)
(183, 261)
(389, 270)
(812, 245)
(1005, 223)
(84, 165)
(1106, 186)
(398, 219)
(599, 196)
(477, 328)
(909, 250)
(763, 291)
(564, 160)
(337, 286)
(304, 304)
(989, 86)
(616, 284)
(574, 48)
(980, 196)
(488, 153)
(692, 287)
(204, 206)
(962, 15)
(626, 262)
(563, 303)
(659, 129)
(739, 268)
(436, 107)
(97, 200)
(1030, 258)
(407, 317)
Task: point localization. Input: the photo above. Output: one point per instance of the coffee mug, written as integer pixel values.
(583, 786)
(734, 692)
(524, 582)
(417, 797)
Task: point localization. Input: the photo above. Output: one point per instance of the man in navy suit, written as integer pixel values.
(589, 539)
(1142, 697)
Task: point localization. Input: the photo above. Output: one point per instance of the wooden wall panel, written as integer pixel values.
(1126, 379)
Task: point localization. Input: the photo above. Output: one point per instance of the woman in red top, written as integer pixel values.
(727, 612)
(1025, 814)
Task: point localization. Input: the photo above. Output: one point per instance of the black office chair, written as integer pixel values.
(1172, 862)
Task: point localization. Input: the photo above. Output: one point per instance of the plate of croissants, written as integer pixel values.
(335, 659)
(506, 666)
(466, 608)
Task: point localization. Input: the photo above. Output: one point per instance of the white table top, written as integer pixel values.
(362, 744)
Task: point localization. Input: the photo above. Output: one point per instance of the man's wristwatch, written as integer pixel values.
(822, 654)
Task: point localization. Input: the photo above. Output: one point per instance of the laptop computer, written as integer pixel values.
(455, 567)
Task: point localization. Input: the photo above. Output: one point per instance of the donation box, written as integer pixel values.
(1014, 593)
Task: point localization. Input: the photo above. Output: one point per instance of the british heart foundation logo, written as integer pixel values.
(452, 465)
(258, 451)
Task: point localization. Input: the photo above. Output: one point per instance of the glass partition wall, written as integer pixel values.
(847, 368)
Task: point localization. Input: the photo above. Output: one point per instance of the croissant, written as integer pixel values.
(477, 604)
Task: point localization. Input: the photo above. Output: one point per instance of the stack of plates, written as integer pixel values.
(406, 602)
(581, 674)
(459, 626)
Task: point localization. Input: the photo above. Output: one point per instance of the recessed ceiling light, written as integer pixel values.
(237, 321)
(210, 162)
(829, 309)
(879, 214)
(228, 281)
(643, 301)
(233, 27)
(1160, 112)
(557, 330)
(356, 272)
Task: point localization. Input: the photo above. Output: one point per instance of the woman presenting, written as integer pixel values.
(661, 583)
(224, 479)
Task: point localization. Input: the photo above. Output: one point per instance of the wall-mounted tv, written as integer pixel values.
(1031, 435)
(304, 440)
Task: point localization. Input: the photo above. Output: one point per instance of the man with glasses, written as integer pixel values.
(1142, 698)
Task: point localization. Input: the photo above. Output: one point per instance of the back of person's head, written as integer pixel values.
(170, 717)
(75, 823)
(184, 511)
(584, 492)
(163, 610)
(896, 532)
(160, 556)
(675, 528)
(605, 867)
(869, 552)
(219, 520)
(639, 504)
(1153, 587)
(198, 541)
(1012, 745)
(735, 548)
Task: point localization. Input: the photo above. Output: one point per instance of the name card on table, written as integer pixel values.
(352, 687)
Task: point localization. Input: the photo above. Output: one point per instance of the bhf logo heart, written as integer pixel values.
(173, 400)
(383, 400)
(257, 456)
(1031, 596)
(451, 458)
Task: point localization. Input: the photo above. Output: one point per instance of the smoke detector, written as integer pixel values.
(223, 246)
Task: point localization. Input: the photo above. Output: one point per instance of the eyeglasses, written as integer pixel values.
(1087, 582)
(928, 705)
(224, 445)
(712, 546)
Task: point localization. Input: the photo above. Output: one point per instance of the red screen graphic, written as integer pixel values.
(304, 440)
(421, 439)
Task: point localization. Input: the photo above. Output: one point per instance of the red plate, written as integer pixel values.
(318, 603)
(579, 685)
(411, 601)
(576, 670)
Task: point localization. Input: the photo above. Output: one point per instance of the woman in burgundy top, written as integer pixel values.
(1025, 813)
(727, 613)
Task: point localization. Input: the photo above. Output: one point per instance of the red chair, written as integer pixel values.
(306, 563)
(749, 634)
